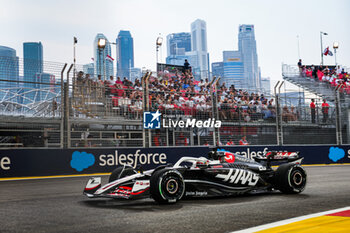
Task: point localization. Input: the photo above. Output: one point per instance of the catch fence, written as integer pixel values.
(58, 106)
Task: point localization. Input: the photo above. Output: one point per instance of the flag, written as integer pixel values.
(75, 40)
(109, 58)
(327, 52)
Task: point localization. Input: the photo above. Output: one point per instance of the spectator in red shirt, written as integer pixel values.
(325, 107)
(118, 81)
(182, 140)
(243, 141)
(157, 141)
(313, 110)
(119, 91)
(230, 143)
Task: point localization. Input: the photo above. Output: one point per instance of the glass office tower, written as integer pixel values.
(247, 48)
(8, 70)
(103, 65)
(125, 54)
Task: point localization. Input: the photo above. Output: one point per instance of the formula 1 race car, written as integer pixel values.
(221, 174)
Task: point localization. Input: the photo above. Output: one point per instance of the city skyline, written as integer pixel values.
(276, 35)
(190, 46)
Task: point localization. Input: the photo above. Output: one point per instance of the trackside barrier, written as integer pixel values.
(51, 162)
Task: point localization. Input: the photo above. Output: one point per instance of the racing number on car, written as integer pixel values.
(239, 176)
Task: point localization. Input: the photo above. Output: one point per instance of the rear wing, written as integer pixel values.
(274, 156)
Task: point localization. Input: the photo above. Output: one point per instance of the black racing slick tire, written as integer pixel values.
(167, 186)
(121, 172)
(290, 178)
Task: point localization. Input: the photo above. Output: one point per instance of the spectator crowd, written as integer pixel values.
(176, 93)
(330, 75)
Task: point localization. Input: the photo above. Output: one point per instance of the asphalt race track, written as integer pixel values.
(57, 205)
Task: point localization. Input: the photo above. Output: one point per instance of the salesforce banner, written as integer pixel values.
(44, 162)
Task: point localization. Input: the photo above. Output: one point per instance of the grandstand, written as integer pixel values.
(74, 110)
(330, 83)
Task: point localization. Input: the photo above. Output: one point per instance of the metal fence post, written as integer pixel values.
(214, 95)
(148, 107)
(143, 84)
(67, 107)
(62, 109)
(277, 111)
(339, 136)
(280, 133)
(213, 106)
(145, 105)
(217, 110)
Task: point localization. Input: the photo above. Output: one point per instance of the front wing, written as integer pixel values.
(132, 187)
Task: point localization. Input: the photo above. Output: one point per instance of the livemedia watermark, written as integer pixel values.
(152, 120)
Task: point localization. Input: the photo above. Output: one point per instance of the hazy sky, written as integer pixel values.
(277, 24)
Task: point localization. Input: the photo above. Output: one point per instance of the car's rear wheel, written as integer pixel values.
(290, 178)
(121, 172)
(167, 186)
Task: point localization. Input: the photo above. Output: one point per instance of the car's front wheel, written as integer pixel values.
(167, 186)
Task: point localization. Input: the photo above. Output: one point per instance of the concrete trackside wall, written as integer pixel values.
(50, 162)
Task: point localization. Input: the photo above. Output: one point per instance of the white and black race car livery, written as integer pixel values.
(221, 174)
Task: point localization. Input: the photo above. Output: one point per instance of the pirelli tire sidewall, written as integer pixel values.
(167, 186)
(291, 178)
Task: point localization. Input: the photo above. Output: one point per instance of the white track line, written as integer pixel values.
(291, 220)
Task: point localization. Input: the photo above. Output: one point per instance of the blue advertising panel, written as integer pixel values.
(46, 162)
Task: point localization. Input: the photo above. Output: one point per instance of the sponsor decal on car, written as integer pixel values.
(196, 193)
(229, 157)
(240, 177)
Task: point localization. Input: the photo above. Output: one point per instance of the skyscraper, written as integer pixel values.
(217, 69)
(247, 48)
(191, 46)
(135, 73)
(125, 53)
(178, 47)
(8, 69)
(103, 64)
(178, 43)
(199, 48)
(32, 66)
(266, 85)
(89, 69)
(233, 69)
(33, 60)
